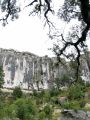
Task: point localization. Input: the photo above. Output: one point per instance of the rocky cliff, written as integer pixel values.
(75, 115)
(27, 70)
(30, 71)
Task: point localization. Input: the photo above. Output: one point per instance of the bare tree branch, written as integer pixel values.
(31, 3)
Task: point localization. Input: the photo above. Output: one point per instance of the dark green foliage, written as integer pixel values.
(28, 109)
(71, 105)
(35, 93)
(76, 92)
(48, 111)
(20, 112)
(41, 106)
(17, 93)
(87, 84)
(42, 115)
(54, 92)
(55, 101)
(47, 96)
(58, 83)
(74, 104)
(82, 103)
(64, 80)
(1, 77)
(31, 106)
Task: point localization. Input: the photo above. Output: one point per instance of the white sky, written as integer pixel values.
(27, 34)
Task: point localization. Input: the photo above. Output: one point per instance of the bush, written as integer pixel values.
(1, 76)
(54, 101)
(26, 109)
(71, 105)
(82, 103)
(75, 92)
(46, 96)
(48, 111)
(21, 112)
(11, 111)
(17, 93)
(42, 115)
(66, 105)
(54, 92)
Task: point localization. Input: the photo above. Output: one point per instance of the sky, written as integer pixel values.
(26, 34)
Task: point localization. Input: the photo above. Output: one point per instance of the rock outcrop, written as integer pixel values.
(75, 115)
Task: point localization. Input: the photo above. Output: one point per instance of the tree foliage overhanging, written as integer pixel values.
(71, 9)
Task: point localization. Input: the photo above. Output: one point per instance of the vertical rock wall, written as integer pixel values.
(30, 71)
(25, 69)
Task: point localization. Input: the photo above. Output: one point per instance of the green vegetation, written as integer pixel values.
(17, 93)
(1, 77)
(76, 92)
(62, 81)
(46, 104)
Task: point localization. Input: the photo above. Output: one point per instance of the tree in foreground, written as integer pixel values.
(78, 10)
(75, 13)
(17, 93)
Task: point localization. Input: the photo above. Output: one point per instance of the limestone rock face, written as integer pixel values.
(85, 66)
(30, 71)
(22, 69)
(27, 70)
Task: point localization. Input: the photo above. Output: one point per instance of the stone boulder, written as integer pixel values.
(75, 115)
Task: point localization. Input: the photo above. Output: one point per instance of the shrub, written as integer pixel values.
(26, 109)
(82, 103)
(46, 96)
(54, 101)
(21, 112)
(48, 111)
(66, 105)
(1, 77)
(75, 92)
(42, 115)
(17, 93)
(54, 92)
(71, 105)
